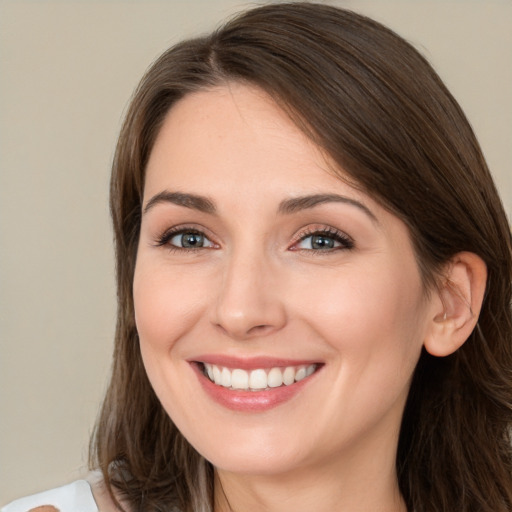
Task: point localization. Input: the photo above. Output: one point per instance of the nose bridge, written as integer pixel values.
(248, 302)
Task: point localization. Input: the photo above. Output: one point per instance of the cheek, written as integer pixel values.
(374, 324)
(167, 306)
(370, 314)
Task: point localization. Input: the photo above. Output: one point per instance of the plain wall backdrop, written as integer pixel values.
(67, 70)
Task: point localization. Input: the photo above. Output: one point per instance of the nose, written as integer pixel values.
(249, 302)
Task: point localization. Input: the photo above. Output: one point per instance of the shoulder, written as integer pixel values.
(88, 495)
(102, 495)
(69, 498)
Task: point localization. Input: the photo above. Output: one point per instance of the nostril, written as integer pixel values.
(259, 329)
(242, 333)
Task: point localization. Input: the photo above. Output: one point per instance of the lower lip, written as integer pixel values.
(250, 401)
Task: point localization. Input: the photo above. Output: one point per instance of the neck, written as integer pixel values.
(353, 487)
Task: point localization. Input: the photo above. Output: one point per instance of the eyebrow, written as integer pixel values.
(286, 207)
(296, 204)
(203, 204)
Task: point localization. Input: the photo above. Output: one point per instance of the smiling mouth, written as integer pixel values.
(260, 379)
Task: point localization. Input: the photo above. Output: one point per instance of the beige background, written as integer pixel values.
(67, 69)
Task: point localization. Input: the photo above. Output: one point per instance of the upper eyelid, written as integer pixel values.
(183, 228)
(164, 237)
(327, 230)
(346, 241)
(310, 230)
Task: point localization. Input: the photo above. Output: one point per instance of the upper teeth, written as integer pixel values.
(257, 379)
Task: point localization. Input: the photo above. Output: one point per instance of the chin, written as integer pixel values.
(256, 451)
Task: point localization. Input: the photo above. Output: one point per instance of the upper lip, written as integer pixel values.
(250, 363)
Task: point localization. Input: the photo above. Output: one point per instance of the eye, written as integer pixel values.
(190, 240)
(321, 242)
(185, 239)
(324, 240)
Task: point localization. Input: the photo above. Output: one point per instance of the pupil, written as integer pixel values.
(321, 242)
(192, 240)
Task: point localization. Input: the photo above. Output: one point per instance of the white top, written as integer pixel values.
(74, 497)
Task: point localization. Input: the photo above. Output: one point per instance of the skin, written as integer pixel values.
(259, 288)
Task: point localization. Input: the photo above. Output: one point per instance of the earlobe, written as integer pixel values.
(460, 297)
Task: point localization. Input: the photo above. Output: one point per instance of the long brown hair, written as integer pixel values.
(374, 104)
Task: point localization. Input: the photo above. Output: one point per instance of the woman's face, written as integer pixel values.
(299, 295)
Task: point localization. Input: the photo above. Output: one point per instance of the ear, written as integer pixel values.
(460, 296)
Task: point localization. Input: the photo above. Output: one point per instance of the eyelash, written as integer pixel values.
(167, 236)
(346, 243)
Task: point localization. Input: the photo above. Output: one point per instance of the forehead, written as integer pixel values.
(236, 135)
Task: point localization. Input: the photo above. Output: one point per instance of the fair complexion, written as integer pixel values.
(253, 255)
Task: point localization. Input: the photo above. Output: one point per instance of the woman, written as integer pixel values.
(314, 281)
